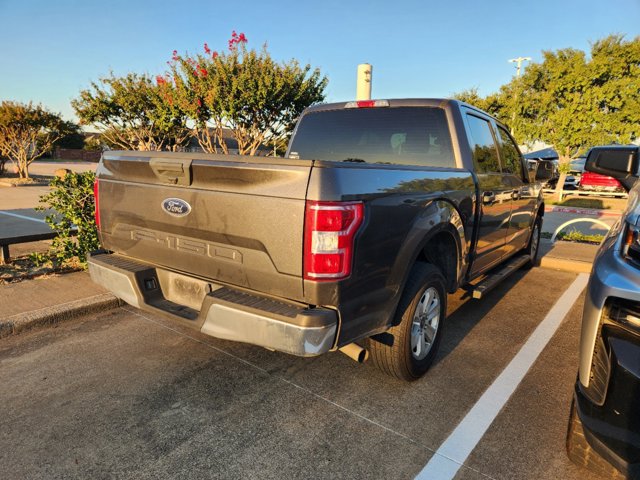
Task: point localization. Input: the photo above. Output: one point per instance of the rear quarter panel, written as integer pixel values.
(403, 207)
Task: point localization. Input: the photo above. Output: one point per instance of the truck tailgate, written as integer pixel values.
(236, 220)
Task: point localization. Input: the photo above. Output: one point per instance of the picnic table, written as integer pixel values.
(21, 226)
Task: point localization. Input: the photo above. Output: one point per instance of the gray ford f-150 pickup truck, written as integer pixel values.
(350, 242)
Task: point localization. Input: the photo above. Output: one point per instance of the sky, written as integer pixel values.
(52, 49)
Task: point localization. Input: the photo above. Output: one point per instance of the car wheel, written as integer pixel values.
(533, 247)
(581, 453)
(409, 347)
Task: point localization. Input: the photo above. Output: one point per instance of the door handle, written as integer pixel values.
(515, 195)
(174, 171)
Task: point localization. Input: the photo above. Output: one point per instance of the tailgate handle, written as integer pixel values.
(175, 171)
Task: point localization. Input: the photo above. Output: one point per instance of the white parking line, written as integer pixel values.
(454, 451)
(22, 217)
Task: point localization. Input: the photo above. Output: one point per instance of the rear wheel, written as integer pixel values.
(581, 453)
(409, 347)
(534, 243)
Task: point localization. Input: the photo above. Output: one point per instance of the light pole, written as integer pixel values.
(518, 61)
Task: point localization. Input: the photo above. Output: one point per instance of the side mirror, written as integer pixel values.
(619, 162)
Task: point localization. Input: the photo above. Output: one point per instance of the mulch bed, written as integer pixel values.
(13, 180)
(23, 268)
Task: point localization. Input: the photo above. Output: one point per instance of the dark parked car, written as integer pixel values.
(549, 174)
(349, 243)
(604, 426)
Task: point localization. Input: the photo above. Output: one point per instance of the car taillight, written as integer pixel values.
(329, 232)
(631, 243)
(97, 205)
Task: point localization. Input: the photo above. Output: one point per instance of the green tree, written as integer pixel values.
(493, 104)
(244, 90)
(573, 101)
(27, 132)
(132, 113)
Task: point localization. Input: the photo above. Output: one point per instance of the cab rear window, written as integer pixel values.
(397, 135)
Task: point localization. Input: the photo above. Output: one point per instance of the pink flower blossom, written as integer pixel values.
(236, 39)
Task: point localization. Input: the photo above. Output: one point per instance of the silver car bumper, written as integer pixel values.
(215, 310)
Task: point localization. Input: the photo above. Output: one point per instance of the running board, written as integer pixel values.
(492, 280)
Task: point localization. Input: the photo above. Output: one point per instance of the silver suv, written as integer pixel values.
(604, 425)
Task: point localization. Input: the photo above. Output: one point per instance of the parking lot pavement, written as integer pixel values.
(48, 167)
(128, 394)
(21, 197)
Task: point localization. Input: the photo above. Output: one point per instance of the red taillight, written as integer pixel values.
(329, 230)
(97, 205)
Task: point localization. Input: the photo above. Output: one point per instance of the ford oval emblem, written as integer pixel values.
(176, 207)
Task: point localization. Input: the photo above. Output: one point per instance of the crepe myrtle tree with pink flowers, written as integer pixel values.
(132, 113)
(242, 89)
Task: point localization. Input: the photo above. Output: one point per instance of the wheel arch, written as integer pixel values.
(443, 250)
(438, 238)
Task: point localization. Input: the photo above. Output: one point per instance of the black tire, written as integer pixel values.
(581, 453)
(533, 247)
(392, 352)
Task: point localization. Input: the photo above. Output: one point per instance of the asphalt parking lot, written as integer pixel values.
(128, 395)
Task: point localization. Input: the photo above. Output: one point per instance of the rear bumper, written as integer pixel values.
(216, 310)
(602, 188)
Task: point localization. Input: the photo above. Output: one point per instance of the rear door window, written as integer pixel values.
(511, 159)
(383, 135)
(483, 145)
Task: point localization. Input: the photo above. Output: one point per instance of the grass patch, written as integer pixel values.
(582, 201)
(579, 237)
(596, 203)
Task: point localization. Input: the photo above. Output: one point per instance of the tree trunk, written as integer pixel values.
(563, 167)
(560, 187)
(22, 168)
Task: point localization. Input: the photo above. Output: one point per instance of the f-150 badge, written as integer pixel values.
(176, 207)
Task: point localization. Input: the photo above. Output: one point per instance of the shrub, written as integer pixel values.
(72, 199)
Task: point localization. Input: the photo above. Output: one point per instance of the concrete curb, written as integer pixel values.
(58, 313)
(565, 265)
(590, 212)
